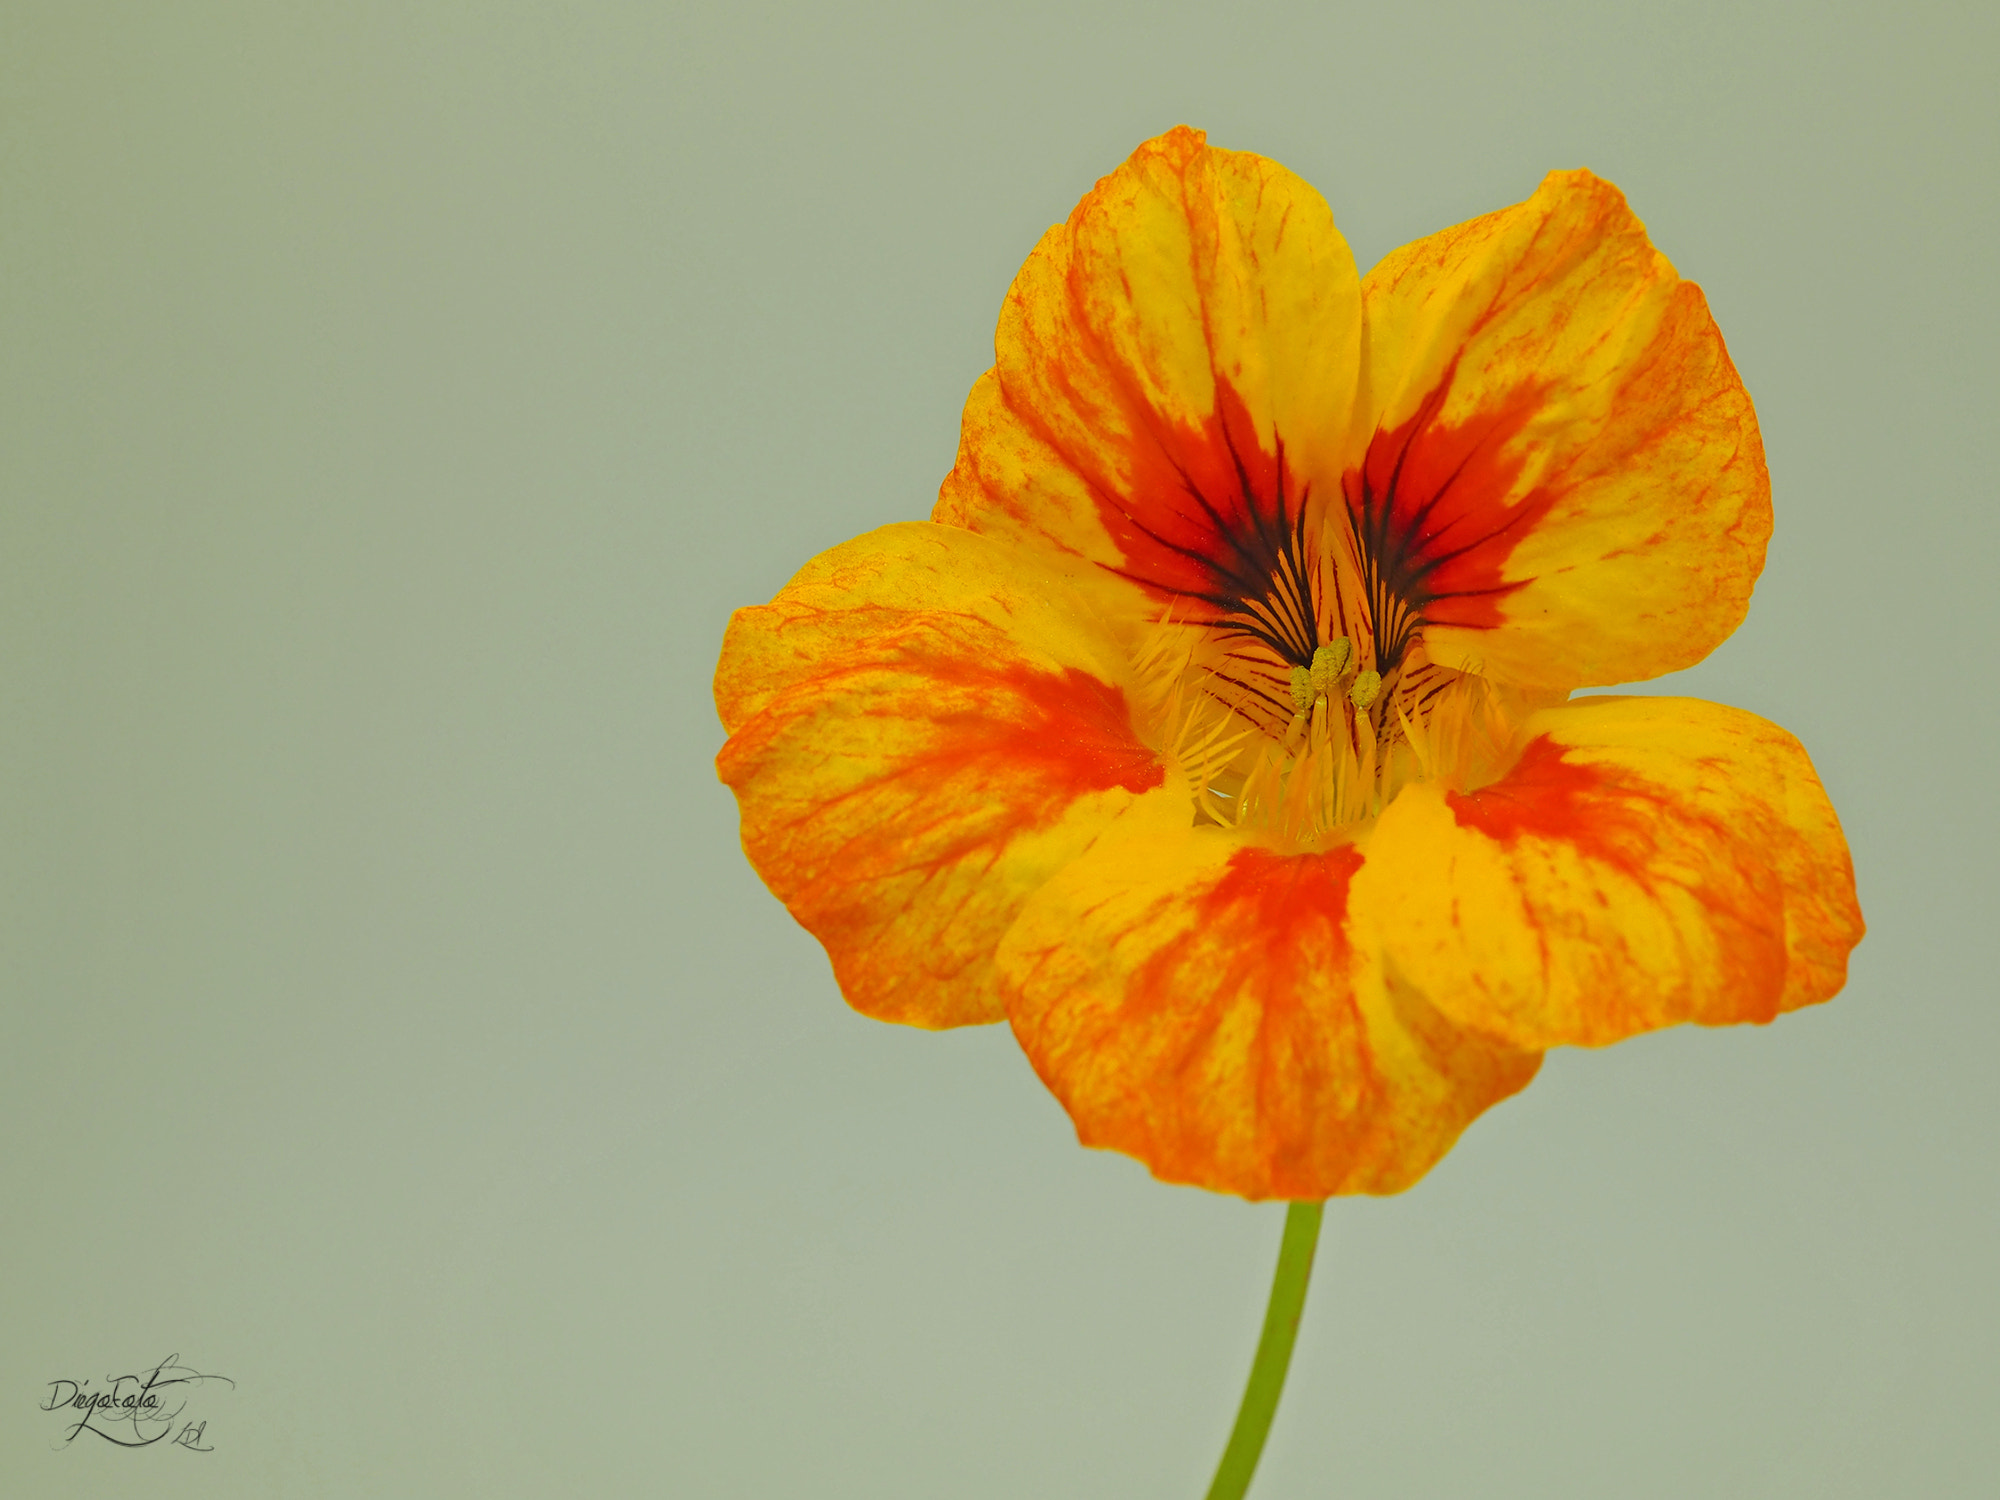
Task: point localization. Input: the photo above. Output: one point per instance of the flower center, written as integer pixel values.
(1300, 702)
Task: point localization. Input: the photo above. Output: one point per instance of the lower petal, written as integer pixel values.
(1195, 1001)
(1648, 861)
(924, 725)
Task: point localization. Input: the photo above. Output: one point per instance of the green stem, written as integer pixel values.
(1274, 1353)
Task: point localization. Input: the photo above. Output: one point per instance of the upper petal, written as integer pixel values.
(1564, 478)
(1176, 371)
(1199, 1002)
(1648, 861)
(924, 725)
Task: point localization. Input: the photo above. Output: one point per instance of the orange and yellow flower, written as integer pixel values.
(1217, 730)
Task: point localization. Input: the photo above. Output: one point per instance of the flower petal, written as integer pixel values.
(1195, 1001)
(1176, 370)
(1648, 861)
(924, 725)
(1565, 479)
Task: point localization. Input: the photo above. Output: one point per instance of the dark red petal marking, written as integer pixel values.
(1077, 734)
(1024, 746)
(1272, 930)
(1270, 935)
(1429, 510)
(1281, 890)
(1606, 817)
(1657, 841)
(1212, 518)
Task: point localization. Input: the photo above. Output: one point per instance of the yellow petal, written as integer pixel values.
(924, 725)
(1565, 479)
(1648, 861)
(1197, 1002)
(1176, 373)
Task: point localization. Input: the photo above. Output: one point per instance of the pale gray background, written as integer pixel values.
(396, 400)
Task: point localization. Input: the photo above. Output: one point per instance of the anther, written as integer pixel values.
(1366, 686)
(1303, 691)
(1329, 662)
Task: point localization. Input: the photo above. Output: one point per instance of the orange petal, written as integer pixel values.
(924, 725)
(1648, 861)
(1176, 373)
(1565, 479)
(1197, 1002)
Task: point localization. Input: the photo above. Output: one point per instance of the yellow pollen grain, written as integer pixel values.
(1366, 686)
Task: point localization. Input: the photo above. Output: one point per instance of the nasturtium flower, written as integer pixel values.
(1216, 731)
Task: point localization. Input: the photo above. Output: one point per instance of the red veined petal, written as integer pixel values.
(1565, 479)
(1199, 1003)
(1648, 861)
(1176, 373)
(924, 725)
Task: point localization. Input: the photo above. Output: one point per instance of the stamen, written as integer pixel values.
(1303, 741)
(1304, 689)
(1329, 665)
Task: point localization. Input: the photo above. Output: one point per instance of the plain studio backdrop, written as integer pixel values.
(397, 398)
